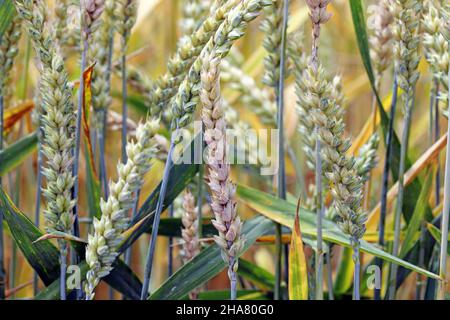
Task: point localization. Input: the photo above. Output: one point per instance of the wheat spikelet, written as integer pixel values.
(272, 27)
(406, 45)
(57, 120)
(93, 9)
(99, 49)
(166, 85)
(125, 18)
(231, 29)
(250, 93)
(223, 192)
(8, 51)
(101, 250)
(193, 15)
(379, 22)
(436, 46)
(367, 157)
(319, 15)
(189, 232)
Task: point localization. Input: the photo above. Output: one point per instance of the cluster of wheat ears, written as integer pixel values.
(337, 219)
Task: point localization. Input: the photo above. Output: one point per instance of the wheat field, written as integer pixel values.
(224, 149)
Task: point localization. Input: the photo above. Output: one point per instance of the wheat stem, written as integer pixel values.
(399, 205)
(156, 220)
(385, 179)
(124, 108)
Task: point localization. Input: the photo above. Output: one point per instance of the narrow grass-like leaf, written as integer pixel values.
(418, 216)
(207, 264)
(298, 273)
(225, 294)
(437, 235)
(43, 256)
(7, 12)
(260, 277)
(284, 212)
(13, 156)
(93, 189)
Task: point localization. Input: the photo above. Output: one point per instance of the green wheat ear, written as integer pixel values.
(101, 251)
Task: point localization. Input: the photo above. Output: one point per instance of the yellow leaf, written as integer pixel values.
(298, 273)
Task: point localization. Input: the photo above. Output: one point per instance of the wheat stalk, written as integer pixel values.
(101, 251)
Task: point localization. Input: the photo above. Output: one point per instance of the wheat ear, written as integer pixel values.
(178, 66)
(223, 191)
(57, 123)
(8, 52)
(101, 251)
(189, 232)
(380, 20)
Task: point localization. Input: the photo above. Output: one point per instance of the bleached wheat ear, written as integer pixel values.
(189, 232)
(379, 22)
(319, 15)
(126, 14)
(57, 124)
(223, 191)
(92, 11)
(101, 251)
